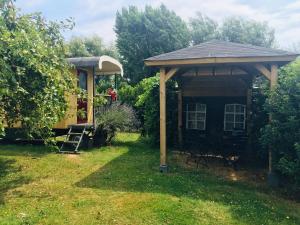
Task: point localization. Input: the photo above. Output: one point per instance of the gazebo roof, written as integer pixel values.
(221, 52)
(103, 64)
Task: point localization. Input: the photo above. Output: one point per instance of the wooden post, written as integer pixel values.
(180, 119)
(273, 83)
(249, 104)
(162, 106)
(248, 150)
(274, 76)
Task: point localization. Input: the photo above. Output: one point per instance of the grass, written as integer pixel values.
(121, 184)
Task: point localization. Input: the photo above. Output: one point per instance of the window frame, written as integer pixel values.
(234, 113)
(196, 120)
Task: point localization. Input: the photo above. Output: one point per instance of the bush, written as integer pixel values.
(145, 99)
(259, 119)
(34, 74)
(112, 118)
(283, 133)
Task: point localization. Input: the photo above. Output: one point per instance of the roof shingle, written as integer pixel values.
(220, 49)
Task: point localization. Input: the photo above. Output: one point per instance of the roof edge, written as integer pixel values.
(106, 58)
(95, 61)
(221, 60)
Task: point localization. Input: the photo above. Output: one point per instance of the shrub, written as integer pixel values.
(259, 119)
(110, 119)
(283, 133)
(145, 99)
(34, 74)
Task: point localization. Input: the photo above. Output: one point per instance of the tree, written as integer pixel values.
(203, 29)
(141, 34)
(234, 29)
(34, 75)
(283, 133)
(90, 46)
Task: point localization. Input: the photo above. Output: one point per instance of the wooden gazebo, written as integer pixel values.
(214, 70)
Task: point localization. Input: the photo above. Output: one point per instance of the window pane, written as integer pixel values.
(240, 108)
(243, 109)
(228, 126)
(191, 107)
(82, 80)
(239, 118)
(229, 108)
(201, 116)
(200, 125)
(201, 107)
(229, 117)
(239, 126)
(191, 116)
(192, 125)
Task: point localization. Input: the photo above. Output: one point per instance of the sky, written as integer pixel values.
(98, 16)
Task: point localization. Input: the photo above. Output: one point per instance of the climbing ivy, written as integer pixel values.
(34, 74)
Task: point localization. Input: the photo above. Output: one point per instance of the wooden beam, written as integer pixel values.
(171, 73)
(219, 71)
(162, 105)
(214, 91)
(273, 83)
(180, 119)
(263, 70)
(273, 76)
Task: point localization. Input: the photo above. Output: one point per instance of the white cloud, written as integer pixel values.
(32, 4)
(293, 5)
(98, 16)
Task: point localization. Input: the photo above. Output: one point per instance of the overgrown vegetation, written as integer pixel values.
(283, 133)
(234, 29)
(34, 75)
(144, 96)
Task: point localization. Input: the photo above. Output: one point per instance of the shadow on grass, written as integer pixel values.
(9, 177)
(137, 171)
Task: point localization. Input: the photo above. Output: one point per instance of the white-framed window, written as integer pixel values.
(196, 116)
(234, 117)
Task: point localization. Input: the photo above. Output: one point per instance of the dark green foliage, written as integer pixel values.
(145, 98)
(141, 34)
(203, 29)
(89, 46)
(34, 75)
(239, 30)
(283, 133)
(234, 29)
(259, 118)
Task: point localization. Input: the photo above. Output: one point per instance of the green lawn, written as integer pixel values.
(121, 185)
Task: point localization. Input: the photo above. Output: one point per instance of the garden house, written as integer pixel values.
(215, 82)
(86, 69)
